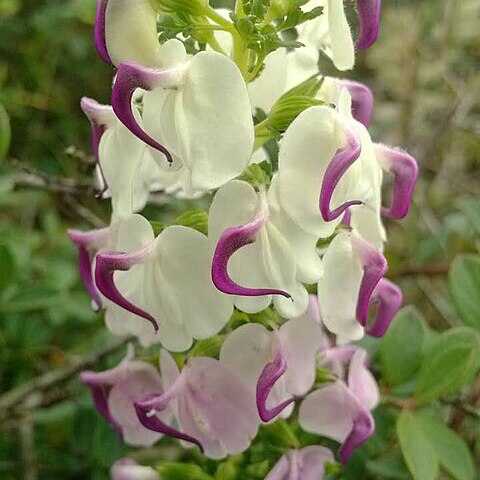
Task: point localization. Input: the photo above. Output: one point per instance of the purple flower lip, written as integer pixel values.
(99, 31)
(232, 240)
(362, 100)
(405, 170)
(269, 376)
(374, 268)
(99, 395)
(389, 299)
(147, 407)
(86, 242)
(363, 429)
(131, 76)
(369, 15)
(341, 162)
(106, 265)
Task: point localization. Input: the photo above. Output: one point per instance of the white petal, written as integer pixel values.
(302, 63)
(338, 289)
(341, 43)
(361, 382)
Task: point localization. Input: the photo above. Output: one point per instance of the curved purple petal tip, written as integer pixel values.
(389, 299)
(99, 31)
(374, 268)
(269, 376)
(405, 170)
(341, 162)
(231, 240)
(369, 16)
(362, 100)
(363, 429)
(106, 265)
(150, 420)
(131, 76)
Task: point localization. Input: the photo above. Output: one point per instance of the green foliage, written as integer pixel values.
(258, 174)
(181, 471)
(402, 347)
(464, 283)
(448, 364)
(5, 132)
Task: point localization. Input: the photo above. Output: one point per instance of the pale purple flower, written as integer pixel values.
(305, 464)
(212, 406)
(128, 469)
(369, 16)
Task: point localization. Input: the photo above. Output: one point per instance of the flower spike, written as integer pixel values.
(86, 242)
(343, 159)
(405, 169)
(131, 76)
(269, 376)
(231, 240)
(369, 16)
(106, 265)
(374, 268)
(362, 100)
(389, 299)
(148, 418)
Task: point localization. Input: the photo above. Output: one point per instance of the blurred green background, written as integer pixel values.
(424, 72)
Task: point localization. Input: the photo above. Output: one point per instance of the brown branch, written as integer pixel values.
(431, 270)
(31, 394)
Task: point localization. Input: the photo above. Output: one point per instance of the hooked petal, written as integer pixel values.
(269, 376)
(361, 382)
(126, 30)
(86, 242)
(343, 159)
(232, 240)
(146, 409)
(362, 100)
(374, 268)
(388, 298)
(405, 169)
(131, 76)
(369, 16)
(106, 265)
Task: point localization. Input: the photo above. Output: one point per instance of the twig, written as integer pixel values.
(27, 445)
(53, 184)
(427, 270)
(30, 394)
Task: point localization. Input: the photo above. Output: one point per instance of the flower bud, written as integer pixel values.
(280, 8)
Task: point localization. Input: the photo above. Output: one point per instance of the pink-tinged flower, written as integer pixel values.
(362, 100)
(305, 464)
(278, 366)
(252, 260)
(87, 244)
(126, 30)
(323, 168)
(369, 16)
(207, 96)
(114, 392)
(351, 285)
(341, 411)
(164, 280)
(212, 406)
(128, 469)
(405, 171)
(124, 161)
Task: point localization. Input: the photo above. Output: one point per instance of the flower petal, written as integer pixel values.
(343, 159)
(130, 77)
(362, 100)
(369, 16)
(126, 30)
(361, 382)
(232, 240)
(272, 372)
(106, 265)
(374, 268)
(341, 43)
(86, 243)
(405, 169)
(388, 298)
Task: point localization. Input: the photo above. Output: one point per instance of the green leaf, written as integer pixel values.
(449, 363)
(391, 466)
(401, 347)
(464, 284)
(5, 132)
(418, 452)
(471, 208)
(257, 174)
(209, 347)
(452, 451)
(279, 434)
(182, 471)
(196, 219)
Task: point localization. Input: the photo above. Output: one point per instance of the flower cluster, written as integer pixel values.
(190, 115)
